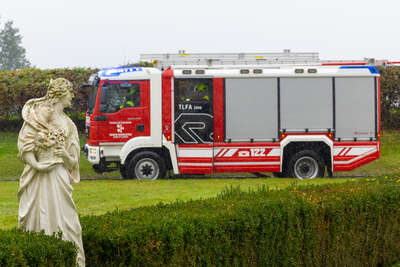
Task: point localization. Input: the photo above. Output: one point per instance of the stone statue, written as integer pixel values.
(48, 144)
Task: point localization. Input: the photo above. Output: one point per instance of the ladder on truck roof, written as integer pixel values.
(256, 60)
(230, 60)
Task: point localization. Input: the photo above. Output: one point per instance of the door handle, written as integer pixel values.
(139, 127)
(101, 118)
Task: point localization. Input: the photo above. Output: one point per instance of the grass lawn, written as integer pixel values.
(98, 197)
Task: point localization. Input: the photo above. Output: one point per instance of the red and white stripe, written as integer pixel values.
(348, 157)
(241, 158)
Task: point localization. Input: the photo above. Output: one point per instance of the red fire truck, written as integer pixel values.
(292, 120)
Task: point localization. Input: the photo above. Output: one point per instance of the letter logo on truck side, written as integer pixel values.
(194, 128)
(244, 152)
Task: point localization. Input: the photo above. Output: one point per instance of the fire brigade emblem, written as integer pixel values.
(120, 128)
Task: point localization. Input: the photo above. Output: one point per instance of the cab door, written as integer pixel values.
(194, 116)
(194, 124)
(124, 110)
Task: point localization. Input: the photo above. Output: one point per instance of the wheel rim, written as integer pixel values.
(147, 169)
(306, 168)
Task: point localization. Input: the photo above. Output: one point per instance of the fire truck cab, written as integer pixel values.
(293, 121)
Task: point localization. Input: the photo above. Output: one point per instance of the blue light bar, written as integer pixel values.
(113, 72)
(372, 69)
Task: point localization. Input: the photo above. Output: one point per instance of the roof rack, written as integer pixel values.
(226, 60)
(182, 60)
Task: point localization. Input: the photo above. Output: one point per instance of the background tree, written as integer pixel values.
(12, 54)
(390, 97)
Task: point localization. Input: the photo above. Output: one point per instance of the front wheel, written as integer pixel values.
(124, 172)
(306, 164)
(146, 166)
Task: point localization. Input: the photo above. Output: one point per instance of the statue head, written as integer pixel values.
(61, 90)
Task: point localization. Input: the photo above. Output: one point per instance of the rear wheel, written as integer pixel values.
(146, 166)
(306, 164)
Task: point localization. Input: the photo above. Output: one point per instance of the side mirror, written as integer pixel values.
(83, 86)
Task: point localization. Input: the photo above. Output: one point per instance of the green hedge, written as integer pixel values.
(18, 248)
(18, 86)
(354, 224)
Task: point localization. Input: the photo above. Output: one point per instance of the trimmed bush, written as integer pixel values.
(353, 224)
(16, 87)
(19, 248)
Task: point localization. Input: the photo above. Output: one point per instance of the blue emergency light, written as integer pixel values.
(113, 72)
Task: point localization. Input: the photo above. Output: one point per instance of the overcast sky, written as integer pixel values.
(106, 33)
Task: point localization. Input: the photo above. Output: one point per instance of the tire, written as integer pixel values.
(124, 172)
(306, 164)
(146, 166)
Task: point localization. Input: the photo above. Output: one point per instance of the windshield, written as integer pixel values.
(92, 97)
(119, 95)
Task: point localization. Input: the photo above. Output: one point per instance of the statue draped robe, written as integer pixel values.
(45, 198)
